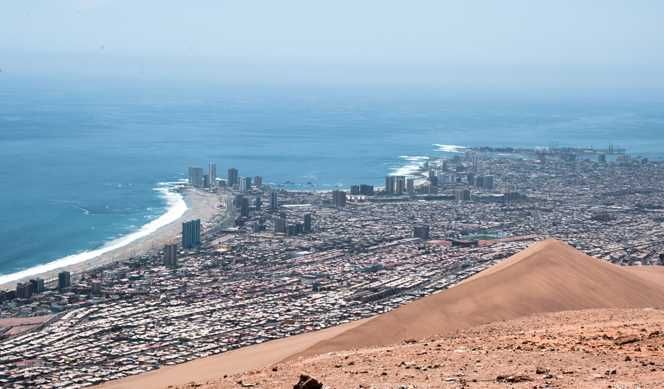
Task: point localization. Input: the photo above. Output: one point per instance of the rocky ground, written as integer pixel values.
(582, 349)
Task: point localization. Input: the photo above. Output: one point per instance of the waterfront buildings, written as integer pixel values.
(171, 255)
(64, 280)
(258, 182)
(366, 190)
(196, 177)
(232, 177)
(212, 175)
(191, 234)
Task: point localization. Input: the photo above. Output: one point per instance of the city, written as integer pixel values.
(287, 262)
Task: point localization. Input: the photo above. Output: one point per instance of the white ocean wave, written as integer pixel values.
(412, 168)
(450, 148)
(175, 208)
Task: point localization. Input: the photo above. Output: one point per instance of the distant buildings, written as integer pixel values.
(191, 234)
(462, 195)
(421, 231)
(212, 175)
(37, 285)
(280, 225)
(395, 184)
(390, 184)
(232, 177)
(245, 184)
(244, 207)
(307, 227)
(64, 280)
(258, 181)
(171, 256)
(366, 190)
(196, 177)
(485, 182)
(23, 290)
(339, 198)
(410, 185)
(274, 201)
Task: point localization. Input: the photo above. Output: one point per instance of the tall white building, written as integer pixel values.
(212, 174)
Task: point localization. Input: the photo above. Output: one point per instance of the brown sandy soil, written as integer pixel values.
(233, 362)
(202, 205)
(616, 348)
(19, 325)
(549, 276)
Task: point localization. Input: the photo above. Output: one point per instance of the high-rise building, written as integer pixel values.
(196, 177)
(244, 207)
(367, 190)
(64, 280)
(274, 201)
(258, 182)
(339, 198)
(23, 290)
(421, 231)
(171, 255)
(212, 174)
(258, 203)
(191, 234)
(462, 195)
(400, 184)
(354, 190)
(306, 227)
(232, 177)
(37, 285)
(280, 225)
(410, 185)
(390, 184)
(245, 184)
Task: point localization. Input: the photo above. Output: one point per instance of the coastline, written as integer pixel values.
(199, 205)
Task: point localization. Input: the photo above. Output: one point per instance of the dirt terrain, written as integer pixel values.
(576, 349)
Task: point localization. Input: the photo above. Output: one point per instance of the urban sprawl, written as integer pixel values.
(292, 261)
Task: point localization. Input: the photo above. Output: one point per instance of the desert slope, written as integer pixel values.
(607, 348)
(549, 276)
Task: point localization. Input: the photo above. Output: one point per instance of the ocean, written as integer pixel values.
(85, 165)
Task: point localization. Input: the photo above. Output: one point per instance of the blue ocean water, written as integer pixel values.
(79, 161)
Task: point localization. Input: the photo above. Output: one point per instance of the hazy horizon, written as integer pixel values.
(481, 44)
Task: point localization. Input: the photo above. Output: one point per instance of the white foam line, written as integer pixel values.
(450, 148)
(176, 207)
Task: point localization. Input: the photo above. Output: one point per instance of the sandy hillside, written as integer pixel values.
(549, 276)
(617, 348)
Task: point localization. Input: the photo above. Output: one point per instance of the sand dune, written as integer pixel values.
(550, 276)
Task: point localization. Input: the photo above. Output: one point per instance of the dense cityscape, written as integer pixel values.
(285, 262)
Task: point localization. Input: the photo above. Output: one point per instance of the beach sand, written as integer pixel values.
(209, 207)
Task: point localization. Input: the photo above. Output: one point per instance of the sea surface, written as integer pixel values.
(84, 165)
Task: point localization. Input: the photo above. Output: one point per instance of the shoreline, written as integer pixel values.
(199, 205)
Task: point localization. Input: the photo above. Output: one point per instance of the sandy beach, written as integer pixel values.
(209, 207)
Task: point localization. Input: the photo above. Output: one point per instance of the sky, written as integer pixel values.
(581, 43)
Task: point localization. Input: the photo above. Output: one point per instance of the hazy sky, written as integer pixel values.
(599, 43)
